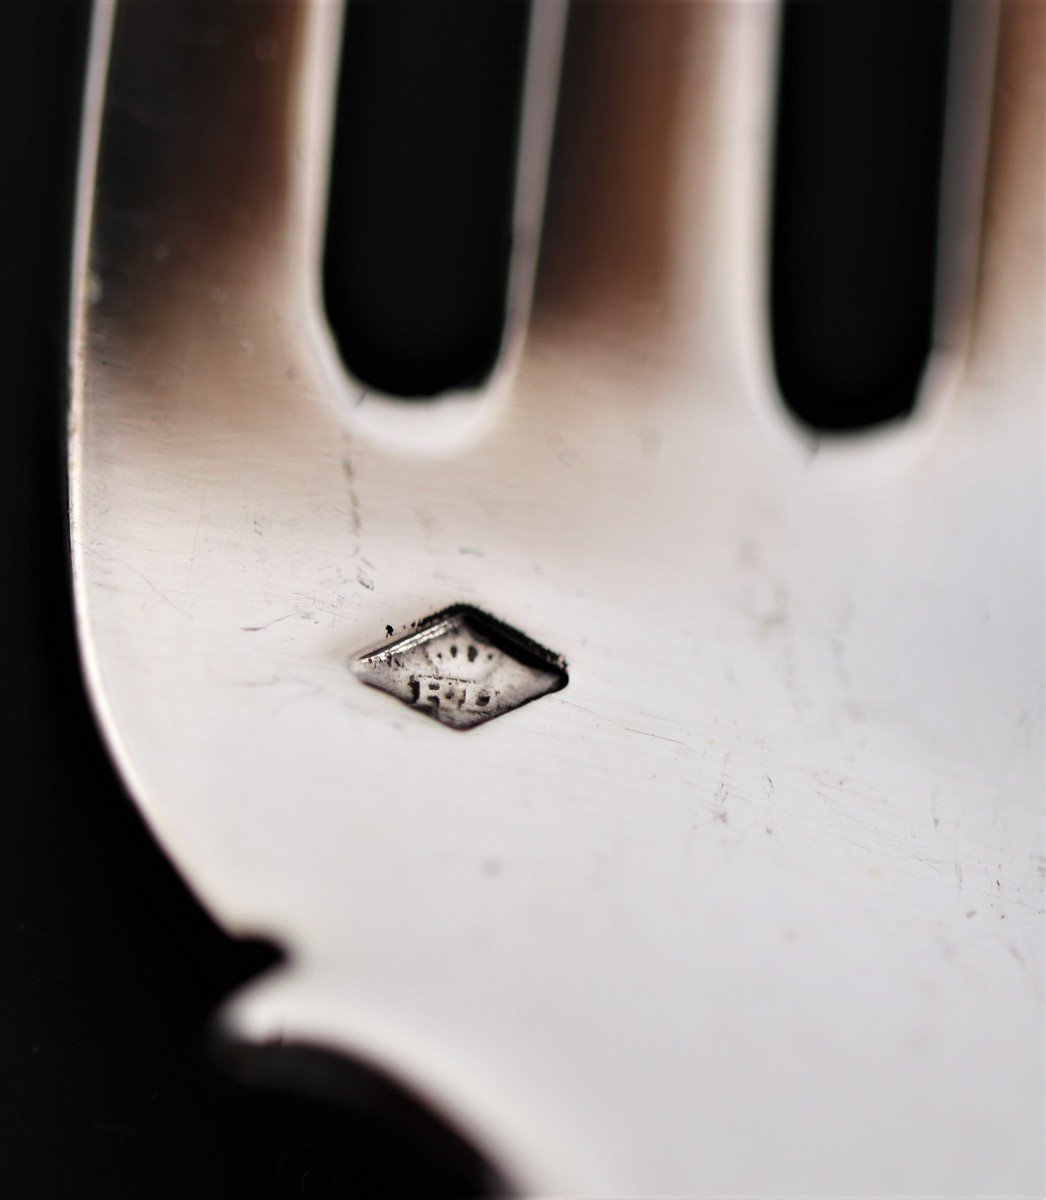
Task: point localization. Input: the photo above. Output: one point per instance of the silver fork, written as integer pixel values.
(754, 903)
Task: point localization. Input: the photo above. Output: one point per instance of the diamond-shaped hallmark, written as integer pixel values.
(463, 667)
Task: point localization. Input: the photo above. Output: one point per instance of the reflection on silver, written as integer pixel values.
(463, 668)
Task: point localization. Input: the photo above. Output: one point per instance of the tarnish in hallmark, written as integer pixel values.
(463, 667)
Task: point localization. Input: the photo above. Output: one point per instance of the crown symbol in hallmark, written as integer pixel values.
(462, 667)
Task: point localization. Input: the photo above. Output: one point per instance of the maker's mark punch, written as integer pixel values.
(463, 667)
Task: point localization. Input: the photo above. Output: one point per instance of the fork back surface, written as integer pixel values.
(754, 904)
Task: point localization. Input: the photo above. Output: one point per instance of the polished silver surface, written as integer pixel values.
(754, 905)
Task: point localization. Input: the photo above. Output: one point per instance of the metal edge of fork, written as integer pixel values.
(453, 419)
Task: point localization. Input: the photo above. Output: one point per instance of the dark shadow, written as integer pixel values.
(419, 229)
(856, 199)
